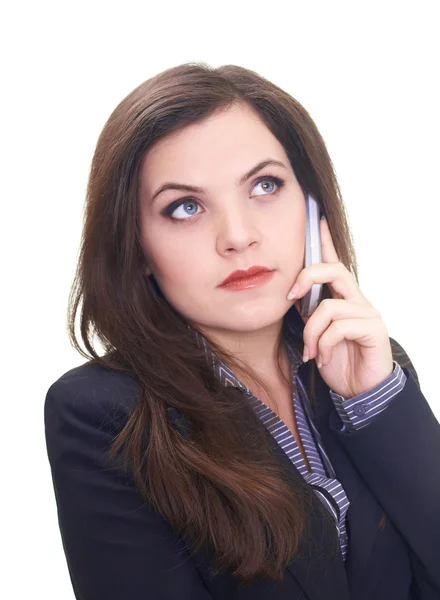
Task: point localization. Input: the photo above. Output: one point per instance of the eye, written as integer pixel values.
(171, 210)
(273, 181)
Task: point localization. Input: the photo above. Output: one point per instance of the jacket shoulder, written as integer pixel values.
(91, 393)
(116, 544)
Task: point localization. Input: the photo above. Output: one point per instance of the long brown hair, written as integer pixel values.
(220, 485)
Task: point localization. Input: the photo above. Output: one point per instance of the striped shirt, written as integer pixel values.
(355, 413)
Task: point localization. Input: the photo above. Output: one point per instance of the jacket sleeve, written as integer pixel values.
(116, 547)
(398, 455)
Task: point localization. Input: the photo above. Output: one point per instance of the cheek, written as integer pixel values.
(185, 279)
(177, 263)
(288, 240)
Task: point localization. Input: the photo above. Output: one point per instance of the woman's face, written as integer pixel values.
(229, 225)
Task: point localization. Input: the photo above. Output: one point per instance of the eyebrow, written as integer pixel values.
(170, 185)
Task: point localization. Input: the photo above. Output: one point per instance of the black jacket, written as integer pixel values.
(119, 549)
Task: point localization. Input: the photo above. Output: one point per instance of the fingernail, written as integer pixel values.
(293, 292)
(305, 354)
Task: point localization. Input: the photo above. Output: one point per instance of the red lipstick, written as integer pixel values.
(243, 279)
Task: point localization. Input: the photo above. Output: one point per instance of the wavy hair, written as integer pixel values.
(221, 485)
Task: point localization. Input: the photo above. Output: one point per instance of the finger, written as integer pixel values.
(350, 330)
(328, 250)
(331, 310)
(339, 279)
(328, 254)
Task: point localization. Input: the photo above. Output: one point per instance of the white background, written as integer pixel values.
(367, 73)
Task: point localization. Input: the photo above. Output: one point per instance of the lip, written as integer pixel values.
(246, 283)
(245, 274)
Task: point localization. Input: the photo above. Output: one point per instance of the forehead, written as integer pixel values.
(227, 143)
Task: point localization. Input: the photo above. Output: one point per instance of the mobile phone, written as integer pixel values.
(313, 255)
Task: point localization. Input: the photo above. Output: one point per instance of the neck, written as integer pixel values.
(257, 349)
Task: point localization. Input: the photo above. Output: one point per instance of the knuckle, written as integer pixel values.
(345, 272)
(341, 266)
(326, 304)
(338, 327)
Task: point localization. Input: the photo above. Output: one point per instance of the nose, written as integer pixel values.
(237, 229)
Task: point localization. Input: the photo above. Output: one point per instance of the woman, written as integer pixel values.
(204, 455)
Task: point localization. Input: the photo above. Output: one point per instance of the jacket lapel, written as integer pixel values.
(364, 512)
(318, 567)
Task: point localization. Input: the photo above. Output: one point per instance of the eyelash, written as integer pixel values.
(167, 212)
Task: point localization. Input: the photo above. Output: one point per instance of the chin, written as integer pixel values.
(250, 320)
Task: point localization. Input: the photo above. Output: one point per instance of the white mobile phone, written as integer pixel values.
(313, 255)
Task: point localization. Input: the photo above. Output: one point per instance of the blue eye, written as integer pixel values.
(169, 210)
(269, 179)
(182, 203)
